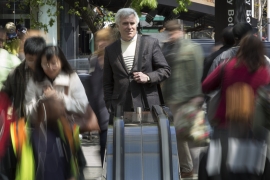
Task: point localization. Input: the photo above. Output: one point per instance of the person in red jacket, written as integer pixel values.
(250, 67)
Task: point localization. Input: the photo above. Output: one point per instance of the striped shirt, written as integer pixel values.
(128, 51)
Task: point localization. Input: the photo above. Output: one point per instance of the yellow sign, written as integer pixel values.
(205, 2)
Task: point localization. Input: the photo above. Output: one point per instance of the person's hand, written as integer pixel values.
(139, 77)
(48, 91)
(54, 106)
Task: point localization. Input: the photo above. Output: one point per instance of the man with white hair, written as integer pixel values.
(133, 65)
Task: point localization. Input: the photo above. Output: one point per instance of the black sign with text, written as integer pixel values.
(229, 13)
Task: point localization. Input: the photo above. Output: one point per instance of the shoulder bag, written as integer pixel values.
(213, 102)
(87, 122)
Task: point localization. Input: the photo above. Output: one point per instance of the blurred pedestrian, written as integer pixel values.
(14, 86)
(132, 64)
(186, 61)
(21, 33)
(8, 63)
(103, 38)
(12, 44)
(16, 82)
(249, 67)
(61, 90)
(227, 42)
(261, 125)
(239, 31)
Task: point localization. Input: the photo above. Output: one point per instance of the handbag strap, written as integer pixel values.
(221, 74)
(161, 99)
(143, 94)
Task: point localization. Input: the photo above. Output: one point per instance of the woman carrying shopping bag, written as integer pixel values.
(56, 101)
(247, 71)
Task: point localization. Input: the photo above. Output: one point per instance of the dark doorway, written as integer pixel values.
(84, 48)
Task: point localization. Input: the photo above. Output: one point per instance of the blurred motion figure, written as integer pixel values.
(186, 61)
(103, 38)
(227, 42)
(14, 87)
(248, 67)
(55, 84)
(239, 31)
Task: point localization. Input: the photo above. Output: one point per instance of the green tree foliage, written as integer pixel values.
(183, 4)
(93, 16)
(138, 5)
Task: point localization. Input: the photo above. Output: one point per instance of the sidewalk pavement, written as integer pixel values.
(91, 149)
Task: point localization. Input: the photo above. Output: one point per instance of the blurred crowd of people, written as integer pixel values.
(41, 96)
(40, 141)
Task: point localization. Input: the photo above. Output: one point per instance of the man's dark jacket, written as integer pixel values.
(15, 86)
(118, 83)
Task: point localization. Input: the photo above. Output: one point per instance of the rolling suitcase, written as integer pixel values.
(141, 146)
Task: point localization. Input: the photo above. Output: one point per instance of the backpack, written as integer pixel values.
(240, 103)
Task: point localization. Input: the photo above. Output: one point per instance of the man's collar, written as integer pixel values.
(132, 39)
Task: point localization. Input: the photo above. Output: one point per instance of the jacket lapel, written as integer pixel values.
(119, 55)
(138, 53)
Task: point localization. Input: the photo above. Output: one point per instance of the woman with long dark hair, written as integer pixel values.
(54, 90)
(249, 67)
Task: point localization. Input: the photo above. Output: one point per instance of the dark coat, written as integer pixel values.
(118, 84)
(96, 96)
(261, 121)
(209, 60)
(15, 86)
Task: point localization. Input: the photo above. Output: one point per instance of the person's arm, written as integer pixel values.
(198, 55)
(215, 63)
(108, 80)
(212, 81)
(7, 84)
(161, 69)
(31, 98)
(76, 100)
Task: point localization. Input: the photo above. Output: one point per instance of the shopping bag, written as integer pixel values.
(214, 158)
(189, 121)
(214, 98)
(87, 122)
(246, 156)
(212, 105)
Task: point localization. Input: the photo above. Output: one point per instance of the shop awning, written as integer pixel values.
(197, 12)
